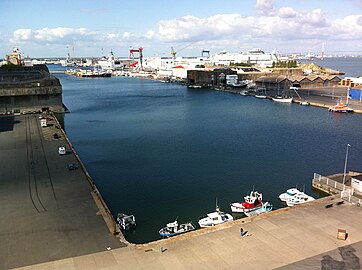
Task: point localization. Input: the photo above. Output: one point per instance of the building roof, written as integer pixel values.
(271, 79)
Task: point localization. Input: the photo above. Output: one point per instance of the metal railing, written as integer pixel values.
(346, 192)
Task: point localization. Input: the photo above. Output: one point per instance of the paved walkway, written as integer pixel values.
(47, 212)
(304, 237)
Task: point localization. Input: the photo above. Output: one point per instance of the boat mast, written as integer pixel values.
(347, 96)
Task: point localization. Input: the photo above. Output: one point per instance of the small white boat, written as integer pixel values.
(215, 218)
(290, 193)
(260, 96)
(264, 208)
(282, 99)
(305, 103)
(126, 222)
(244, 93)
(255, 199)
(194, 86)
(299, 199)
(174, 228)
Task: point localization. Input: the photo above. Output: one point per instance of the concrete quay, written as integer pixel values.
(47, 211)
(51, 221)
(324, 97)
(302, 237)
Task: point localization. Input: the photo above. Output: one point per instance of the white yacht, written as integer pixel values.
(282, 99)
(215, 218)
(290, 193)
(299, 199)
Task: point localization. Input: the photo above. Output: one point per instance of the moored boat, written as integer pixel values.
(290, 193)
(255, 199)
(215, 218)
(264, 208)
(282, 99)
(173, 228)
(341, 108)
(126, 222)
(305, 103)
(244, 93)
(299, 199)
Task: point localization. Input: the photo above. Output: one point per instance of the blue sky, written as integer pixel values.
(53, 28)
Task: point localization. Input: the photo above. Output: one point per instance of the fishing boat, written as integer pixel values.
(290, 193)
(126, 222)
(260, 96)
(340, 108)
(215, 218)
(264, 208)
(173, 228)
(299, 199)
(282, 99)
(255, 199)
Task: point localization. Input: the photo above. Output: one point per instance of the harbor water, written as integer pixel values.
(163, 152)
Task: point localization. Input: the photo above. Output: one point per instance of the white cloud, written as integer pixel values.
(58, 34)
(287, 12)
(315, 18)
(265, 7)
(126, 35)
(349, 27)
(283, 28)
(21, 35)
(191, 28)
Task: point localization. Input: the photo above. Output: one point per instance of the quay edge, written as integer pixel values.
(290, 238)
(102, 206)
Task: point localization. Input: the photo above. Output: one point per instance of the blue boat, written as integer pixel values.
(126, 222)
(173, 228)
(265, 207)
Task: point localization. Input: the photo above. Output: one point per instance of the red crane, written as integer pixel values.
(140, 56)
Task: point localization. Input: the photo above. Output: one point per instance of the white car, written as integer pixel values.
(61, 150)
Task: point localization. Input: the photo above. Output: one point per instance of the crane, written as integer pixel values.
(173, 52)
(140, 56)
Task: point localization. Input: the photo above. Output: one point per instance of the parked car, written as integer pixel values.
(72, 166)
(61, 150)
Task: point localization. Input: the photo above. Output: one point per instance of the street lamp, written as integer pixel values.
(345, 164)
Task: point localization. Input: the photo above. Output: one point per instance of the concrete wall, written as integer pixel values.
(29, 89)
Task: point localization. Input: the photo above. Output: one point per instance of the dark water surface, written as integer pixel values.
(161, 151)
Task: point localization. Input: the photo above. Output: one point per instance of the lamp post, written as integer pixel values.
(345, 164)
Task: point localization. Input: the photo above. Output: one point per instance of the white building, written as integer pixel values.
(254, 56)
(356, 183)
(178, 66)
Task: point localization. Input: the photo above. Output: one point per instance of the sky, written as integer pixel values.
(48, 28)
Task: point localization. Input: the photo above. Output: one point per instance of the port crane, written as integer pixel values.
(207, 52)
(140, 56)
(173, 52)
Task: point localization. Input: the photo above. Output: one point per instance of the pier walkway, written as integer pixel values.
(302, 237)
(47, 211)
(334, 185)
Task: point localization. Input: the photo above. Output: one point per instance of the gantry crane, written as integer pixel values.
(140, 56)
